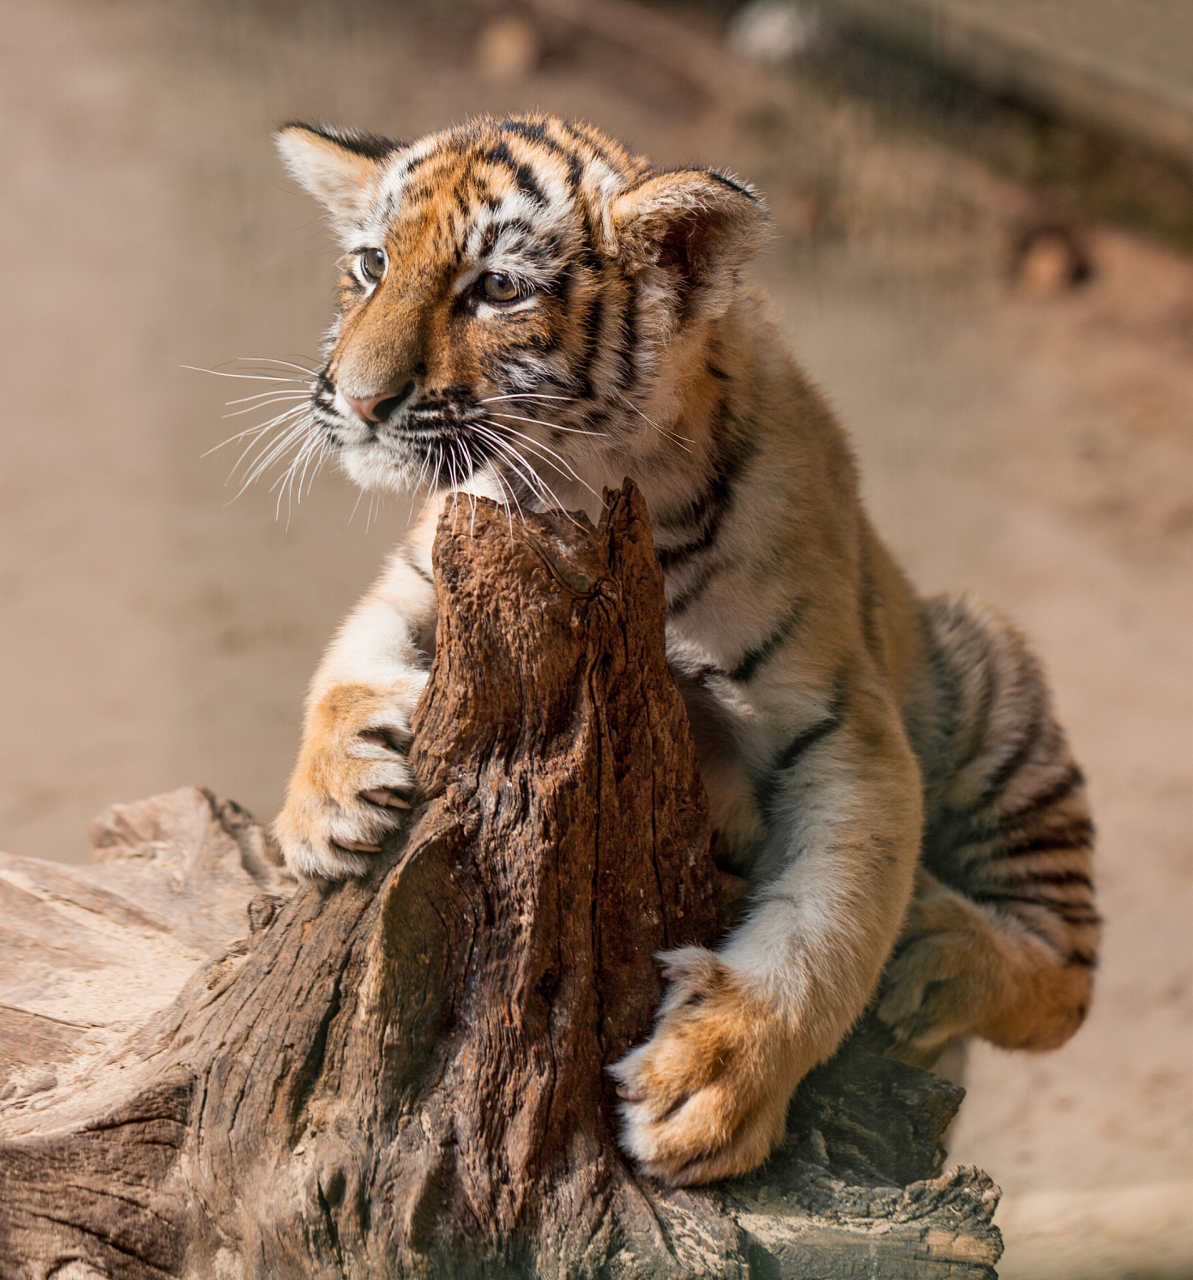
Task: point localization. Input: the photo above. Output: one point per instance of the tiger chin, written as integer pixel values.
(529, 312)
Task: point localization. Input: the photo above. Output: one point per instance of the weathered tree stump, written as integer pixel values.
(404, 1076)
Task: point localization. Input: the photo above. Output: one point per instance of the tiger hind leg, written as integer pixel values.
(1001, 935)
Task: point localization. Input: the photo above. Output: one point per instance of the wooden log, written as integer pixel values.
(404, 1075)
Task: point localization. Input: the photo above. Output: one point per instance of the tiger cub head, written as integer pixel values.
(520, 297)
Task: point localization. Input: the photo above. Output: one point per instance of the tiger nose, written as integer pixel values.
(366, 409)
(378, 408)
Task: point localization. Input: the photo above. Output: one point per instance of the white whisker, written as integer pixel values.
(533, 479)
(265, 404)
(663, 431)
(262, 395)
(554, 426)
(527, 395)
(471, 475)
(240, 435)
(271, 449)
(288, 432)
(422, 471)
(312, 452)
(434, 486)
(289, 364)
(255, 434)
(532, 482)
(513, 498)
(272, 453)
(509, 514)
(253, 377)
(455, 483)
(286, 479)
(561, 464)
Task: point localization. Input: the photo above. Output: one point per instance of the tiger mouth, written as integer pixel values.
(437, 442)
(401, 420)
(436, 446)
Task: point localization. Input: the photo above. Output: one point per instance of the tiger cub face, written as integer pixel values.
(521, 297)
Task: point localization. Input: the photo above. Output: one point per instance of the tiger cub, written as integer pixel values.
(530, 312)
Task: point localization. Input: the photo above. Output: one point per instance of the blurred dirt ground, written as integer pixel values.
(1017, 436)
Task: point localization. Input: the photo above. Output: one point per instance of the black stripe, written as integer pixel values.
(629, 339)
(531, 342)
(978, 718)
(370, 145)
(1060, 790)
(733, 455)
(593, 145)
(532, 133)
(805, 741)
(935, 733)
(790, 755)
(591, 256)
(523, 174)
(754, 658)
(561, 286)
(1070, 913)
(536, 134)
(671, 556)
(1078, 834)
(691, 514)
(422, 573)
(1029, 739)
(496, 229)
(1058, 879)
(951, 831)
(684, 601)
(732, 185)
(416, 162)
(593, 324)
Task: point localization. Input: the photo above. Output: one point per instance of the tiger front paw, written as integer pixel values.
(352, 785)
(706, 1097)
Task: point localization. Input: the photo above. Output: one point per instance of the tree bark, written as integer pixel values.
(405, 1075)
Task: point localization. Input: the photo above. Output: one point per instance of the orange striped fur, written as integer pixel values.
(529, 312)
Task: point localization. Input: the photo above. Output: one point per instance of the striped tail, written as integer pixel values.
(1007, 823)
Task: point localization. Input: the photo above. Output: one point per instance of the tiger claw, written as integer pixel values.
(385, 797)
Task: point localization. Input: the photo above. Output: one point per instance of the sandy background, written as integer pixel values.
(1037, 447)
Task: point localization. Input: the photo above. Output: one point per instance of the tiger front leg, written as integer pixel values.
(706, 1097)
(352, 784)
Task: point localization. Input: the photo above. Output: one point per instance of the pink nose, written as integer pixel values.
(367, 409)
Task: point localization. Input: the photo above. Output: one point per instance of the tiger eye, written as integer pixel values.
(372, 264)
(497, 287)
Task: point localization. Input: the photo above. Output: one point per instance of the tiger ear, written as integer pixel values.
(699, 223)
(339, 167)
